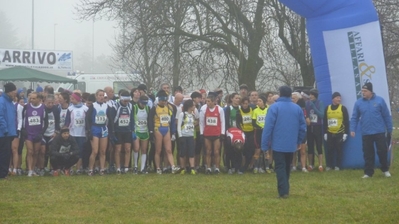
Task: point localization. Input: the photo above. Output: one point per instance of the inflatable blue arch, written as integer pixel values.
(346, 46)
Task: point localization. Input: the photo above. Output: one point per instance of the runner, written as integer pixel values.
(298, 99)
(35, 122)
(186, 128)
(162, 126)
(76, 121)
(64, 153)
(141, 116)
(50, 132)
(258, 122)
(16, 158)
(124, 132)
(64, 103)
(246, 125)
(97, 118)
(197, 99)
(233, 119)
(212, 128)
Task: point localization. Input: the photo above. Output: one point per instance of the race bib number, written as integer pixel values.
(80, 122)
(124, 121)
(101, 119)
(142, 124)
(260, 118)
(34, 120)
(333, 122)
(246, 119)
(189, 128)
(313, 118)
(212, 121)
(164, 119)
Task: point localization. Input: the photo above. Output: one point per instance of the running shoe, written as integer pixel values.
(102, 173)
(67, 172)
(217, 171)
(90, 173)
(328, 168)
(387, 174)
(305, 170)
(55, 173)
(175, 169)
(321, 168)
(144, 171)
(118, 171)
(230, 171)
(336, 168)
(41, 172)
(183, 171)
(135, 171)
(268, 170)
(193, 172)
(159, 171)
(261, 170)
(255, 170)
(208, 171)
(365, 176)
(310, 168)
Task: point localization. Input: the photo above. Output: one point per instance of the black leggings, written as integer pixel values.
(59, 162)
(233, 156)
(314, 135)
(334, 143)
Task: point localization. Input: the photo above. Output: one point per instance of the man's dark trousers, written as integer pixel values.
(5, 155)
(282, 163)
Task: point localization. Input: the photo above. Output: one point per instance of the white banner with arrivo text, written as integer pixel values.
(37, 59)
(355, 57)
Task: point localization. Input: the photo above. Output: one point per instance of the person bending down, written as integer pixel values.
(64, 152)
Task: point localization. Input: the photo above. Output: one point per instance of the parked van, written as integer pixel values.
(92, 82)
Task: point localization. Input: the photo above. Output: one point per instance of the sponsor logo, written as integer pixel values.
(362, 71)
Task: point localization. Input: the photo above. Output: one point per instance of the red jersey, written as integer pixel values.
(213, 126)
(235, 134)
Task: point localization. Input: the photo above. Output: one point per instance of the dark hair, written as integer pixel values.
(85, 96)
(187, 104)
(29, 91)
(268, 93)
(211, 97)
(143, 98)
(123, 92)
(65, 95)
(92, 98)
(132, 92)
(49, 89)
(231, 96)
(244, 99)
(161, 93)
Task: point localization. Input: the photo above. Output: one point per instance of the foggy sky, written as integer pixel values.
(70, 33)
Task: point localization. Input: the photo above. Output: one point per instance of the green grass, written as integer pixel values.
(329, 197)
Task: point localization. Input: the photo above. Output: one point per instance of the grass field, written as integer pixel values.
(328, 197)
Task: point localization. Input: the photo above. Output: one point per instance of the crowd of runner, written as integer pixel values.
(97, 133)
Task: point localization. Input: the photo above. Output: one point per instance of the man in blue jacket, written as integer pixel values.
(8, 126)
(375, 121)
(284, 130)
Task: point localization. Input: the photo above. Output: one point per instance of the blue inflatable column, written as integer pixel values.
(346, 47)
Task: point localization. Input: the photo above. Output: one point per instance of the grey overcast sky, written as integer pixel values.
(70, 34)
